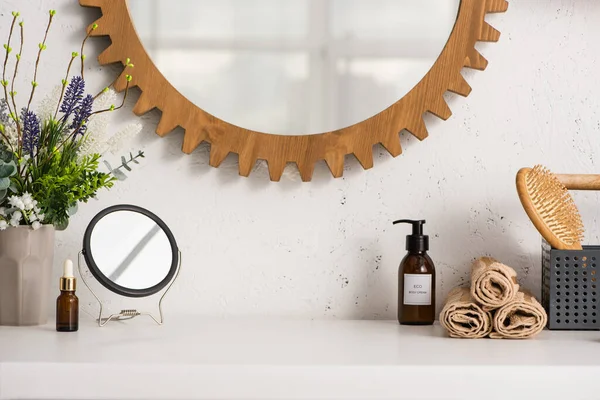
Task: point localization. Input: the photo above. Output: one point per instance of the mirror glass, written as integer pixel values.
(131, 250)
(294, 66)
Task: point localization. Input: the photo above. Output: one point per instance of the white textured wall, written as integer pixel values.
(327, 249)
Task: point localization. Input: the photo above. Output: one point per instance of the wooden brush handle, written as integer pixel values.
(580, 181)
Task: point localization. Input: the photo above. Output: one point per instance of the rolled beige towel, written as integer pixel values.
(463, 318)
(493, 284)
(522, 318)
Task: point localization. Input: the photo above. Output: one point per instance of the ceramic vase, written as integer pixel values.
(26, 258)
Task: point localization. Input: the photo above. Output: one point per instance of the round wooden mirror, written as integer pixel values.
(295, 82)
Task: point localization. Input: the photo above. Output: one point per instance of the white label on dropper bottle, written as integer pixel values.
(417, 289)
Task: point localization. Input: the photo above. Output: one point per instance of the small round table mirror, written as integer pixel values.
(130, 251)
(294, 67)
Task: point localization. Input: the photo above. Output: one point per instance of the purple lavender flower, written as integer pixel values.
(73, 96)
(82, 114)
(31, 131)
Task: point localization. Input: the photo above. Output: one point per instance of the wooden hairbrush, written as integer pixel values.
(551, 208)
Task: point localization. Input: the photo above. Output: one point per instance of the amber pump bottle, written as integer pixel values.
(416, 279)
(67, 304)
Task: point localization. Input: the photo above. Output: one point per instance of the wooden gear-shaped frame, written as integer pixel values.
(304, 151)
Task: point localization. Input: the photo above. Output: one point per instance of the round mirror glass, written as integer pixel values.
(130, 251)
(296, 66)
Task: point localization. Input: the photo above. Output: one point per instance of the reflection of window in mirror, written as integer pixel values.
(294, 66)
(131, 250)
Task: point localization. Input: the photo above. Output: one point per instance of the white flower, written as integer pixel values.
(32, 217)
(3, 224)
(41, 217)
(47, 107)
(119, 140)
(16, 216)
(2, 211)
(14, 223)
(27, 201)
(12, 135)
(16, 202)
(105, 100)
(36, 209)
(97, 128)
(91, 145)
(36, 225)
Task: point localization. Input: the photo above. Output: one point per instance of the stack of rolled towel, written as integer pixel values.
(494, 306)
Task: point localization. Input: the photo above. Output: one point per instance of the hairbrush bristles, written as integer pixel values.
(550, 207)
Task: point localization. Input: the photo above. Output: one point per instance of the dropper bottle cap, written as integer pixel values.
(68, 283)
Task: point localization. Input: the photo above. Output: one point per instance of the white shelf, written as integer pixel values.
(287, 359)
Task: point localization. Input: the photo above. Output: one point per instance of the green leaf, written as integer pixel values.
(15, 14)
(3, 194)
(4, 183)
(7, 170)
(62, 225)
(13, 188)
(120, 175)
(73, 210)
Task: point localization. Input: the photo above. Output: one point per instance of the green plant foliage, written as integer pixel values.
(45, 168)
(7, 170)
(67, 183)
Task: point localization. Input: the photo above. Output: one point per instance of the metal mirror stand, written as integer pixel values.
(128, 314)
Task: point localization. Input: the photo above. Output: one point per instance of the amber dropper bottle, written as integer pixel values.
(67, 304)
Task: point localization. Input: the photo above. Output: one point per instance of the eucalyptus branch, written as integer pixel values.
(8, 50)
(42, 47)
(116, 172)
(65, 82)
(132, 159)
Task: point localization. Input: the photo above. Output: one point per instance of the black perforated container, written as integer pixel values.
(570, 285)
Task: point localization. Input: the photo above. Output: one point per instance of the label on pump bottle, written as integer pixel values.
(417, 289)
